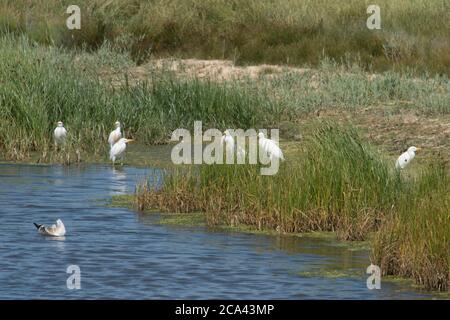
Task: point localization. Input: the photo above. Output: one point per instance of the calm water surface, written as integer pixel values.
(124, 254)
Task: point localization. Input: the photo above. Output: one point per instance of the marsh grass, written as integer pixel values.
(414, 33)
(415, 241)
(41, 86)
(337, 182)
(347, 86)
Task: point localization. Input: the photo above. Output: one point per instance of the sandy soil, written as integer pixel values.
(217, 70)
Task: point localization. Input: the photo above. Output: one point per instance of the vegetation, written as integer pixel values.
(340, 86)
(43, 85)
(334, 182)
(415, 241)
(414, 33)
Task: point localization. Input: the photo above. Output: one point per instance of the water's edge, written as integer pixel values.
(124, 253)
(195, 220)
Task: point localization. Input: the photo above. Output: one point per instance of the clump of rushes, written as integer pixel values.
(336, 182)
(175, 187)
(415, 241)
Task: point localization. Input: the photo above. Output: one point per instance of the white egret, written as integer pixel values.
(118, 149)
(60, 133)
(115, 135)
(406, 157)
(270, 147)
(228, 140)
(230, 146)
(57, 230)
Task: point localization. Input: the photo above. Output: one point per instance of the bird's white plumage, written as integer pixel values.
(228, 141)
(60, 133)
(118, 149)
(230, 145)
(57, 230)
(115, 135)
(406, 157)
(270, 147)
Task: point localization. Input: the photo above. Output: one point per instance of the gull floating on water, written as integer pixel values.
(57, 230)
(406, 157)
(115, 135)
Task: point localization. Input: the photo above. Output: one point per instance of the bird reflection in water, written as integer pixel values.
(119, 181)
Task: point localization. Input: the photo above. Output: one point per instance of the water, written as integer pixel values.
(123, 254)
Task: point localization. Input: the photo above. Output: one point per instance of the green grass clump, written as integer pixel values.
(414, 33)
(415, 241)
(335, 182)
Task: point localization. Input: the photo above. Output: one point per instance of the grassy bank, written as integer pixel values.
(43, 85)
(414, 33)
(334, 182)
(90, 91)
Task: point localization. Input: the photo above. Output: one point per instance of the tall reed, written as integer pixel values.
(415, 242)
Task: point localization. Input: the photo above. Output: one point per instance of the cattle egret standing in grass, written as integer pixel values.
(270, 147)
(60, 133)
(57, 230)
(406, 157)
(118, 149)
(115, 135)
(230, 145)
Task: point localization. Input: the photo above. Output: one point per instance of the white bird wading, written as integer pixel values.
(118, 149)
(60, 133)
(115, 135)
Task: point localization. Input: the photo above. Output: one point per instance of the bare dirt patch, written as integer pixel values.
(221, 70)
(215, 70)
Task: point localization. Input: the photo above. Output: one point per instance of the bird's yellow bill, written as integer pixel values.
(418, 149)
(130, 140)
